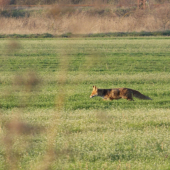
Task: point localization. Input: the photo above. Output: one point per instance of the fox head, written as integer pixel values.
(94, 92)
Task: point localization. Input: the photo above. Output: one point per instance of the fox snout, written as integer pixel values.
(91, 96)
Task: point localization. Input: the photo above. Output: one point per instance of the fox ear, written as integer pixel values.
(94, 87)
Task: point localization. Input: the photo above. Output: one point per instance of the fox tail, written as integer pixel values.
(137, 94)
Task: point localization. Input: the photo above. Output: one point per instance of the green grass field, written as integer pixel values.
(47, 83)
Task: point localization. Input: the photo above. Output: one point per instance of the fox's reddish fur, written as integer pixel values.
(118, 93)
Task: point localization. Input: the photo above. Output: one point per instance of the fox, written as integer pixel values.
(118, 93)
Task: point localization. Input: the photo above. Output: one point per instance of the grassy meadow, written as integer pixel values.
(48, 120)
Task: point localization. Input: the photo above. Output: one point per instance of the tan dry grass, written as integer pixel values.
(77, 24)
(65, 20)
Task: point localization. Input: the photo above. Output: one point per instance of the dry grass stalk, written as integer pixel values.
(51, 155)
(15, 132)
(16, 127)
(15, 140)
(27, 82)
(12, 46)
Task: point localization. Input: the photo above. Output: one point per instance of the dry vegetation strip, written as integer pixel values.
(58, 20)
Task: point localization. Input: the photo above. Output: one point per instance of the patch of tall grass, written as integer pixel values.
(97, 21)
